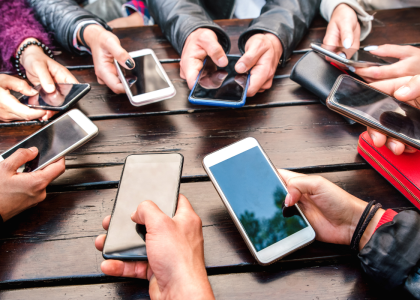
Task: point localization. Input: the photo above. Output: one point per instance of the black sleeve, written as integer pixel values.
(287, 19)
(61, 18)
(178, 18)
(392, 255)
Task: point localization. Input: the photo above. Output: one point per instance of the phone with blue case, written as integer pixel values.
(217, 86)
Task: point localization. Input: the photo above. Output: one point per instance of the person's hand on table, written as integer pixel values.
(20, 191)
(408, 64)
(332, 212)
(10, 107)
(175, 252)
(41, 69)
(105, 47)
(262, 53)
(405, 89)
(343, 29)
(133, 20)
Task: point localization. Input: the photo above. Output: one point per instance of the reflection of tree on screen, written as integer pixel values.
(264, 232)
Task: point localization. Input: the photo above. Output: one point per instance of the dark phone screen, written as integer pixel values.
(51, 141)
(145, 77)
(379, 108)
(222, 84)
(152, 177)
(257, 196)
(359, 55)
(63, 95)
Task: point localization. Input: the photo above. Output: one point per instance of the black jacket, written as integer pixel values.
(392, 256)
(287, 19)
(61, 17)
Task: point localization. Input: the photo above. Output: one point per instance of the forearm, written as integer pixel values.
(179, 18)
(289, 21)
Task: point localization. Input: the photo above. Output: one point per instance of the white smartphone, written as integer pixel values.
(254, 193)
(148, 81)
(56, 139)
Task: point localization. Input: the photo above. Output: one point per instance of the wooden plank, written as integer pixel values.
(338, 281)
(293, 136)
(55, 239)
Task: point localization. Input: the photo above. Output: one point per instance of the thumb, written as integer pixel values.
(19, 158)
(18, 85)
(346, 34)
(292, 181)
(410, 91)
(148, 214)
(113, 46)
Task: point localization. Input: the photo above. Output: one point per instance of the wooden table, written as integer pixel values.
(48, 251)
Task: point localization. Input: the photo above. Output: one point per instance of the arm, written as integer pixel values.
(287, 20)
(62, 17)
(179, 18)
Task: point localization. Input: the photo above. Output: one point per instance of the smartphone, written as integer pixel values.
(154, 177)
(148, 81)
(55, 140)
(217, 86)
(65, 96)
(254, 193)
(351, 57)
(373, 108)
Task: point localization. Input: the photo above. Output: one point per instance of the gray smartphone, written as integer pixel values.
(154, 177)
(351, 57)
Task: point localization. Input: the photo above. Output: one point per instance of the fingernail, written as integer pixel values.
(402, 91)
(34, 91)
(343, 55)
(352, 69)
(370, 48)
(132, 215)
(129, 63)
(241, 68)
(287, 200)
(222, 61)
(347, 43)
(50, 88)
(33, 149)
(392, 146)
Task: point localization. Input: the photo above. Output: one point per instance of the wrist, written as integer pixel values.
(31, 51)
(91, 32)
(371, 228)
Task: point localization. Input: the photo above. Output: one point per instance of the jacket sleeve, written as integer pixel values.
(287, 19)
(392, 255)
(328, 6)
(17, 24)
(178, 18)
(61, 17)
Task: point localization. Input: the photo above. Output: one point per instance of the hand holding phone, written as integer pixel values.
(64, 96)
(220, 86)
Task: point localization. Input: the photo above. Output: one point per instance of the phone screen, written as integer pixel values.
(146, 76)
(51, 141)
(63, 95)
(222, 84)
(154, 177)
(379, 108)
(257, 196)
(358, 55)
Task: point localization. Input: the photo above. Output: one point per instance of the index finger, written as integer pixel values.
(113, 46)
(208, 41)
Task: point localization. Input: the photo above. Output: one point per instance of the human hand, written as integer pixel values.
(262, 53)
(41, 69)
(332, 212)
(10, 108)
(175, 252)
(133, 20)
(409, 64)
(20, 191)
(405, 89)
(106, 47)
(200, 44)
(343, 29)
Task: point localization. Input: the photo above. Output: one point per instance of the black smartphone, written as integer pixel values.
(216, 86)
(154, 177)
(65, 95)
(373, 108)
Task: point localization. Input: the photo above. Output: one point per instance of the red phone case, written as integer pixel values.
(402, 171)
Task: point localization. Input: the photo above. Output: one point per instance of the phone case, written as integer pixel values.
(364, 121)
(214, 102)
(400, 170)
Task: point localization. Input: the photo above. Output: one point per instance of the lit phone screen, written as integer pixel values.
(51, 141)
(146, 76)
(257, 196)
(382, 109)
